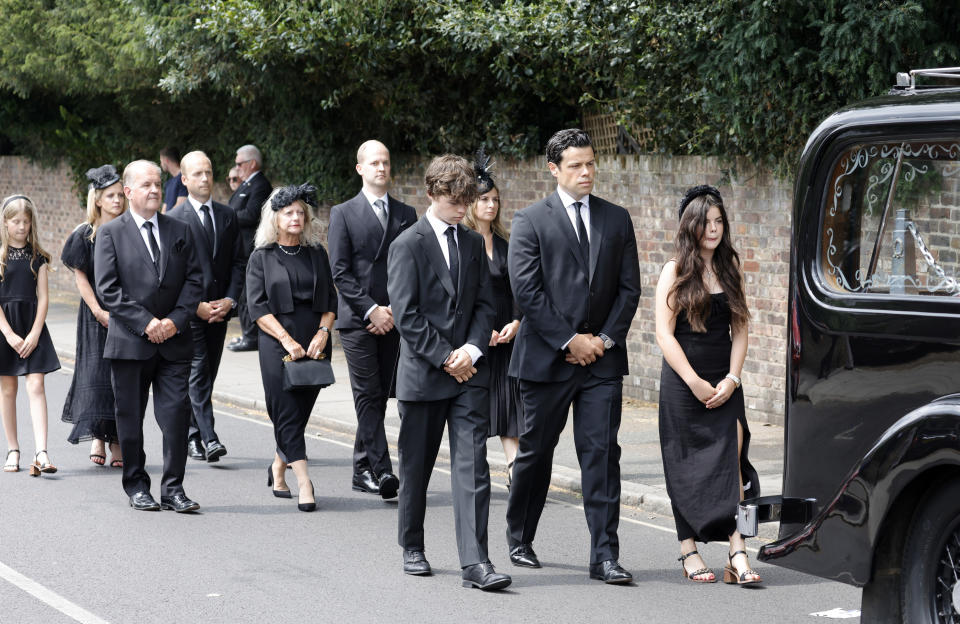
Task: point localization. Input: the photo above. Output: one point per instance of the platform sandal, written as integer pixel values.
(692, 576)
(730, 576)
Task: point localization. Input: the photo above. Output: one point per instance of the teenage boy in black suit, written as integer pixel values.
(149, 279)
(439, 287)
(575, 275)
(217, 238)
(360, 234)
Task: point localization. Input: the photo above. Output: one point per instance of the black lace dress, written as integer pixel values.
(505, 406)
(89, 404)
(18, 299)
(699, 445)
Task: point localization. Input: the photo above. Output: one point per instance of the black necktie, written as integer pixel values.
(454, 257)
(154, 247)
(208, 227)
(582, 234)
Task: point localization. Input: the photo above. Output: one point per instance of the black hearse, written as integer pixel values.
(871, 485)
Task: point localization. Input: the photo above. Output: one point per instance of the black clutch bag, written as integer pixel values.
(306, 374)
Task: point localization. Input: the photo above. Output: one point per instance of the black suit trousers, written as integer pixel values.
(596, 421)
(421, 429)
(207, 351)
(171, 407)
(371, 361)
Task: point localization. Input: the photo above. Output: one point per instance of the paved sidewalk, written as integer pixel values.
(239, 384)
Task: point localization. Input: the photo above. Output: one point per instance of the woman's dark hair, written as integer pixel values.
(689, 293)
(562, 139)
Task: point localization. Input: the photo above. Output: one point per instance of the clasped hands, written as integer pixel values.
(313, 350)
(158, 331)
(584, 349)
(459, 365)
(214, 311)
(712, 396)
(505, 335)
(23, 346)
(381, 321)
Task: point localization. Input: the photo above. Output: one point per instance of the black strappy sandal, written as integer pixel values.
(690, 576)
(730, 576)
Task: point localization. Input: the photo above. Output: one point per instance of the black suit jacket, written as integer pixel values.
(128, 288)
(222, 267)
(247, 202)
(358, 252)
(431, 321)
(560, 296)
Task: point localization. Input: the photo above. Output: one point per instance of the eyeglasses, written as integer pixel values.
(240, 163)
(233, 179)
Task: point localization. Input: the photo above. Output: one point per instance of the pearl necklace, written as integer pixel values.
(290, 253)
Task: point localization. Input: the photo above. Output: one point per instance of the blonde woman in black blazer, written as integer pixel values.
(291, 296)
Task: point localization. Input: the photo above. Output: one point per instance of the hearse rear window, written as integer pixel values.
(891, 220)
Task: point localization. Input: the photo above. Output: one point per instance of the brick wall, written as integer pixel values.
(648, 186)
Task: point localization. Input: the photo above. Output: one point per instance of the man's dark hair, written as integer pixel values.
(172, 153)
(451, 176)
(562, 139)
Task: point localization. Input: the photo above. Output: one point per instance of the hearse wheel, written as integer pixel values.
(930, 587)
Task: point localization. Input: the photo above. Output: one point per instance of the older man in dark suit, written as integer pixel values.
(217, 237)
(247, 202)
(360, 234)
(575, 275)
(149, 279)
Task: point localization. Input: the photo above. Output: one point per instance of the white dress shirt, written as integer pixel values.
(567, 201)
(196, 208)
(143, 232)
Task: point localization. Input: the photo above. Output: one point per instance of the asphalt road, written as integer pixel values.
(71, 550)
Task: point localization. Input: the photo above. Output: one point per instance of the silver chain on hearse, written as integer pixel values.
(947, 283)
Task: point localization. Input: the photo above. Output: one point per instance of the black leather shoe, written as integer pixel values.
(365, 482)
(415, 563)
(524, 556)
(483, 576)
(195, 449)
(610, 572)
(215, 451)
(389, 484)
(142, 501)
(179, 503)
(243, 345)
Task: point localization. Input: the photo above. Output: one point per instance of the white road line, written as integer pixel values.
(41, 593)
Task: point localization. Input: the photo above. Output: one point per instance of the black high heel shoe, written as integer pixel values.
(308, 506)
(277, 493)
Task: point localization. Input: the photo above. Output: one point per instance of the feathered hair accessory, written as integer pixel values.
(695, 192)
(307, 193)
(482, 168)
(102, 177)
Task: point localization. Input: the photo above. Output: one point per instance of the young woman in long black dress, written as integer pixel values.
(702, 324)
(505, 406)
(89, 403)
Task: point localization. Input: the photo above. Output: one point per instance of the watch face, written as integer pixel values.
(608, 344)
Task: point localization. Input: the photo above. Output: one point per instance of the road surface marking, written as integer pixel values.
(48, 597)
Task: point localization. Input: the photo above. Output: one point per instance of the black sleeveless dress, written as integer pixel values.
(699, 445)
(505, 405)
(18, 298)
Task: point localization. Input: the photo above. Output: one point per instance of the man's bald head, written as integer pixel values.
(141, 186)
(197, 175)
(373, 165)
(370, 146)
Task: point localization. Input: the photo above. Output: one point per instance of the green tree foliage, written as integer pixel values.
(308, 80)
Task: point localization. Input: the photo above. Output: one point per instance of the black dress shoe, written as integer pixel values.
(415, 563)
(483, 576)
(524, 556)
(179, 503)
(243, 345)
(365, 482)
(389, 484)
(142, 501)
(610, 572)
(215, 451)
(195, 449)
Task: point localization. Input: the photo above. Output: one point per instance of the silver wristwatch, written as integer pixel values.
(608, 343)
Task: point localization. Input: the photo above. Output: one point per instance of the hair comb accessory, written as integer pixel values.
(102, 177)
(307, 193)
(695, 192)
(483, 167)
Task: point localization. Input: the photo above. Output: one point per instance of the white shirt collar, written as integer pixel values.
(196, 203)
(140, 221)
(252, 173)
(566, 199)
(372, 198)
(439, 226)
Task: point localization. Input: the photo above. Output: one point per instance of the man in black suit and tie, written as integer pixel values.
(247, 202)
(216, 235)
(575, 275)
(360, 234)
(439, 287)
(149, 279)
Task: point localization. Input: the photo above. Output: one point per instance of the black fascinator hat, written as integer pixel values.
(482, 168)
(307, 193)
(102, 177)
(695, 192)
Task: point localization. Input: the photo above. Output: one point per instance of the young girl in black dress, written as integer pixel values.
(23, 311)
(702, 320)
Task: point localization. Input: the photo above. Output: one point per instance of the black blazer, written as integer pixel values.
(358, 253)
(128, 289)
(560, 296)
(430, 320)
(223, 267)
(247, 202)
